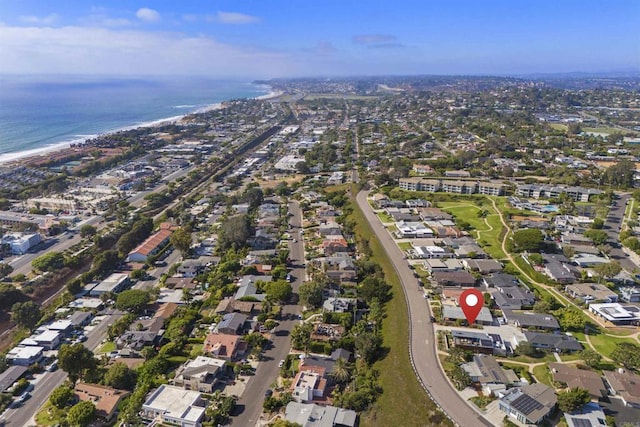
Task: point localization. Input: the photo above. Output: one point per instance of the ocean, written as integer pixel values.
(41, 113)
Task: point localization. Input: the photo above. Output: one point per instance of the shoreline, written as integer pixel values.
(14, 158)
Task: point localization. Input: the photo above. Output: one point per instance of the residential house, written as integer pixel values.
(411, 230)
(309, 384)
(557, 267)
(626, 385)
(105, 399)
(312, 415)
(557, 343)
(25, 355)
(630, 294)
(224, 346)
(327, 332)
(479, 342)
(529, 404)
(231, 305)
(340, 305)
(430, 252)
(453, 278)
(501, 280)
(454, 313)
(137, 340)
(232, 324)
(115, 283)
(433, 265)
(482, 266)
(151, 245)
(591, 292)
(513, 298)
(531, 321)
(573, 377)
(200, 374)
(80, 319)
(174, 405)
(485, 370)
(590, 415)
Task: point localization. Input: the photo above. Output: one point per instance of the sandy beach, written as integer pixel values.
(15, 158)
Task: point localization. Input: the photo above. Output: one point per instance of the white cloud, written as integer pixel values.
(236, 18)
(95, 50)
(37, 20)
(148, 15)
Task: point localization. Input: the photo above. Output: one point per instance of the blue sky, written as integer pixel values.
(277, 38)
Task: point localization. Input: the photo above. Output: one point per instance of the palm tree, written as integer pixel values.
(341, 372)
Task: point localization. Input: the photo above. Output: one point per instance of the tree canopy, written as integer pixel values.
(133, 300)
(279, 291)
(573, 399)
(529, 239)
(50, 261)
(234, 231)
(75, 360)
(26, 314)
(120, 376)
(311, 294)
(627, 354)
(81, 414)
(181, 240)
(61, 396)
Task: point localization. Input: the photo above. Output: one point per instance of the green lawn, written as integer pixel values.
(405, 246)
(604, 130)
(558, 126)
(543, 375)
(605, 344)
(50, 415)
(385, 217)
(487, 232)
(107, 347)
(403, 401)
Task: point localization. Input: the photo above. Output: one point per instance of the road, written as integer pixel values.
(21, 417)
(423, 345)
(250, 403)
(612, 227)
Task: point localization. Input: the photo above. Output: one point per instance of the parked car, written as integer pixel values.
(281, 363)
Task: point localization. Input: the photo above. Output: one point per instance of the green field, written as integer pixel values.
(605, 344)
(403, 401)
(605, 130)
(488, 233)
(543, 375)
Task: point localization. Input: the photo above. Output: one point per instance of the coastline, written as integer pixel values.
(16, 157)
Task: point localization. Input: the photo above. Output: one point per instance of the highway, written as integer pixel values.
(22, 416)
(423, 345)
(250, 403)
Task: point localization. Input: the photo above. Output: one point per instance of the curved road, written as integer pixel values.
(423, 345)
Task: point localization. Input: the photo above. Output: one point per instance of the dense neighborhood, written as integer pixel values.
(256, 264)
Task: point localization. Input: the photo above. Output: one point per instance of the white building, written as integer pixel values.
(25, 356)
(20, 243)
(115, 283)
(175, 405)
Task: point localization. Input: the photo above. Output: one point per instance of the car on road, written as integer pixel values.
(268, 393)
(281, 363)
(53, 367)
(23, 397)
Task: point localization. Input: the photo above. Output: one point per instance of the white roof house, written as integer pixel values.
(25, 355)
(175, 405)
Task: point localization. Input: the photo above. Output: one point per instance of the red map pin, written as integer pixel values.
(471, 301)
